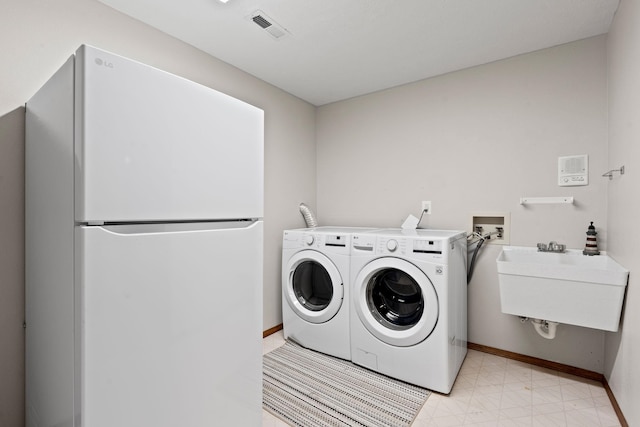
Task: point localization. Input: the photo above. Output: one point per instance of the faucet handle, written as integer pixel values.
(556, 247)
(542, 247)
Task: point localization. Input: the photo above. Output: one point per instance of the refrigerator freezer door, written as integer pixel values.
(170, 329)
(151, 146)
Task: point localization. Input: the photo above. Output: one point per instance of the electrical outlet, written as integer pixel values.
(426, 207)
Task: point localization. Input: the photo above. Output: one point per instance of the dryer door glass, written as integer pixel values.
(312, 286)
(395, 299)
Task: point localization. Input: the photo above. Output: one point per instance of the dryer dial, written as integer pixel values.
(392, 245)
(309, 240)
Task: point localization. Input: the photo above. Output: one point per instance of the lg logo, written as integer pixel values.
(104, 63)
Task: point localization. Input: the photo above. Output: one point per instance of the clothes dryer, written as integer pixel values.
(315, 288)
(409, 304)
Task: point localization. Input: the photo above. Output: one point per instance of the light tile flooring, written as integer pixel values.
(494, 391)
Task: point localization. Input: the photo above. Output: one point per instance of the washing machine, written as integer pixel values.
(315, 288)
(409, 304)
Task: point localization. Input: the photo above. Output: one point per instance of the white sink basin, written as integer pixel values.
(564, 287)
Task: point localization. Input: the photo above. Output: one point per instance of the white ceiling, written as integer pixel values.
(338, 49)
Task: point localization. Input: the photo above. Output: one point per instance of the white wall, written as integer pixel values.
(476, 141)
(36, 36)
(11, 267)
(622, 348)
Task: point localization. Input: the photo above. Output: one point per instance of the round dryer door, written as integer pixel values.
(396, 301)
(313, 286)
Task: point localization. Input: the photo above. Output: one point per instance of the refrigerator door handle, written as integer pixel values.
(178, 227)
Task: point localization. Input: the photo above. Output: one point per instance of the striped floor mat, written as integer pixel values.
(309, 389)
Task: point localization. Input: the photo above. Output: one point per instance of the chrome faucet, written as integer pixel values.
(551, 247)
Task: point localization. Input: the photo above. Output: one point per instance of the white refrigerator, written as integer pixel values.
(144, 206)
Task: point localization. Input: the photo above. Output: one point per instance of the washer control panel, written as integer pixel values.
(422, 248)
(427, 246)
(391, 245)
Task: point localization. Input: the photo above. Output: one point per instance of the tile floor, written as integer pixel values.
(494, 391)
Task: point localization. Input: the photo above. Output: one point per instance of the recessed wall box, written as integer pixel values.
(573, 171)
(496, 224)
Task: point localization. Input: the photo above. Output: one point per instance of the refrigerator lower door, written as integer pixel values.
(169, 325)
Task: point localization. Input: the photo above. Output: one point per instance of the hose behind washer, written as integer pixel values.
(472, 264)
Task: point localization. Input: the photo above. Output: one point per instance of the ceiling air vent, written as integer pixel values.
(269, 25)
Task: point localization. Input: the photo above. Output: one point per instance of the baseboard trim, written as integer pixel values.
(583, 373)
(560, 367)
(614, 403)
(271, 330)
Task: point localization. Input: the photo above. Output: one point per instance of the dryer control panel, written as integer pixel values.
(337, 240)
(329, 242)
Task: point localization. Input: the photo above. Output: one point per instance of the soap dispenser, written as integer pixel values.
(591, 248)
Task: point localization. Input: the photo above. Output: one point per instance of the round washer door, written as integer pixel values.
(313, 286)
(396, 301)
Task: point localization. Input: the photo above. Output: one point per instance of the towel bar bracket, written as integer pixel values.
(612, 171)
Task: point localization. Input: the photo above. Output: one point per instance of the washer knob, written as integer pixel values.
(309, 240)
(392, 245)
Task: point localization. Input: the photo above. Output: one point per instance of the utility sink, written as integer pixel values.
(566, 287)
